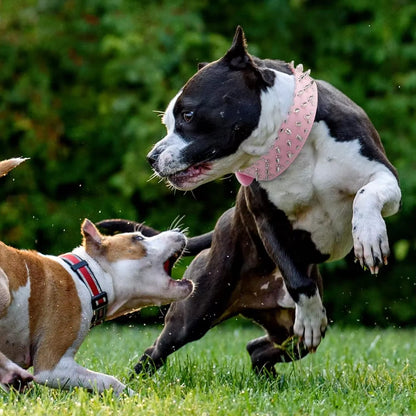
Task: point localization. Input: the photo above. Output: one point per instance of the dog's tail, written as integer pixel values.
(198, 243)
(7, 165)
(194, 245)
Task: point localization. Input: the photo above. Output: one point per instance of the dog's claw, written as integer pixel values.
(374, 270)
(371, 246)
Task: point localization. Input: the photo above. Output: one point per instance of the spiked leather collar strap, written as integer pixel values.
(99, 300)
(292, 134)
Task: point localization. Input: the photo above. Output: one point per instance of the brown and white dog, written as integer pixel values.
(48, 303)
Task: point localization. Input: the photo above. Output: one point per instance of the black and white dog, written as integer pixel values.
(317, 193)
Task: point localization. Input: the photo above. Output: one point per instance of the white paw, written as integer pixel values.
(130, 392)
(371, 244)
(310, 320)
(120, 389)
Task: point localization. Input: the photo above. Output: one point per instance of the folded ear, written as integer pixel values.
(91, 236)
(237, 57)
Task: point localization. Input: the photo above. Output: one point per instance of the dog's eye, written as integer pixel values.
(187, 116)
(137, 237)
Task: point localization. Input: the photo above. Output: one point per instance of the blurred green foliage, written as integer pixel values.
(82, 83)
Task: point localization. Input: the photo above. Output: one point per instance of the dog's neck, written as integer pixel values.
(292, 132)
(95, 266)
(118, 296)
(100, 281)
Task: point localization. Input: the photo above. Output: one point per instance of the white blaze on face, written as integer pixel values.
(168, 118)
(171, 146)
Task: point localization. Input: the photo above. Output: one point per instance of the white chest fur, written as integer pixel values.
(14, 339)
(318, 190)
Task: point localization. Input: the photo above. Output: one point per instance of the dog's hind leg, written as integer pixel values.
(274, 310)
(68, 374)
(279, 345)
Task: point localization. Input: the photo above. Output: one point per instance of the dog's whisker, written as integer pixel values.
(177, 223)
(154, 175)
(171, 188)
(159, 113)
(191, 192)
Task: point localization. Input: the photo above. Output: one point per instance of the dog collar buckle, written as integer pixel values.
(99, 305)
(99, 299)
(292, 133)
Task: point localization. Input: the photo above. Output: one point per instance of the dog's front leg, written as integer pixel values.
(310, 315)
(11, 375)
(68, 374)
(377, 199)
(296, 267)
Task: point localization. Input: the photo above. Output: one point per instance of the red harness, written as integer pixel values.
(99, 300)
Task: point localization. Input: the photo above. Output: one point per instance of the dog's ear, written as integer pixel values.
(237, 57)
(92, 239)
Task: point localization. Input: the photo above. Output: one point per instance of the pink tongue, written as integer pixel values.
(244, 179)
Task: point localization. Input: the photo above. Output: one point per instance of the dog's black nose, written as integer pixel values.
(152, 157)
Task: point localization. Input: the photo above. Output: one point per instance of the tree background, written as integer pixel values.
(82, 82)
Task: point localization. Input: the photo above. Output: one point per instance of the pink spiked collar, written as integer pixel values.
(292, 134)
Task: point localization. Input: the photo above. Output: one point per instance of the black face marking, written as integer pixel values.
(216, 118)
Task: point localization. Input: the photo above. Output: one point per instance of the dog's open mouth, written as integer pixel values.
(184, 285)
(189, 175)
(170, 262)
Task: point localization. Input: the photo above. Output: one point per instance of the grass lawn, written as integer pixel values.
(354, 372)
